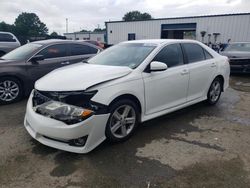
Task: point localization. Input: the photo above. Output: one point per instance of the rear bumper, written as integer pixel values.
(56, 134)
(240, 68)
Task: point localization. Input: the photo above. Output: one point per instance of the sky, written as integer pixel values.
(89, 14)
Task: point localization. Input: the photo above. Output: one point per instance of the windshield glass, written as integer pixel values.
(245, 47)
(22, 52)
(128, 54)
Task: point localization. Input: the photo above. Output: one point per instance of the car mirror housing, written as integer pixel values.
(157, 66)
(37, 58)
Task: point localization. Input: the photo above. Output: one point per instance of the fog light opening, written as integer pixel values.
(79, 141)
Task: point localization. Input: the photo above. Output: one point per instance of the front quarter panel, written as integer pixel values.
(106, 95)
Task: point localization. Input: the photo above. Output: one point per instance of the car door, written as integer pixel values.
(79, 52)
(202, 69)
(167, 89)
(53, 56)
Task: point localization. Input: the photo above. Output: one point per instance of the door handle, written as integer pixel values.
(184, 71)
(213, 65)
(65, 63)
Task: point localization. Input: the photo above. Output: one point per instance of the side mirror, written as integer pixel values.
(37, 58)
(157, 66)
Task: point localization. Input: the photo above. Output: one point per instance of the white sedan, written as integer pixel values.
(77, 107)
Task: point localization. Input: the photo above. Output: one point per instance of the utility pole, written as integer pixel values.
(66, 25)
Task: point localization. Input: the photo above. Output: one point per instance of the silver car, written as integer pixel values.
(239, 56)
(8, 42)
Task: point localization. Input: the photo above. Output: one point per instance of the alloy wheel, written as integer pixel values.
(215, 91)
(122, 121)
(9, 90)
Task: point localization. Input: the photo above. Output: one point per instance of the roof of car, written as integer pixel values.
(159, 41)
(49, 41)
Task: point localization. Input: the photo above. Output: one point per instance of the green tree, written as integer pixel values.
(99, 30)
(29, 24)
(6, 27)
(54, 34)
(136, 15)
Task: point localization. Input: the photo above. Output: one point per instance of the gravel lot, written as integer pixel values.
(199, 146)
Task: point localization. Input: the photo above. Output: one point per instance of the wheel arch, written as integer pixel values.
(130, 97)
(15, 77)
(222, 80)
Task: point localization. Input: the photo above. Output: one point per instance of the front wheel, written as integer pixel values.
(214, 91)
(10, 90)
(122, 121)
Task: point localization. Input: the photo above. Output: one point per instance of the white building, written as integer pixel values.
(217, 27)
(96, 36)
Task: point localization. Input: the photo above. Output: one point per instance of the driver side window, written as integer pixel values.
(54, 51)
(171, 55)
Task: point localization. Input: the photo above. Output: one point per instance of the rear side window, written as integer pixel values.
(54, 51)
(80, 49)
(207, 54)
(4, 37)
(171, 55)
(194, 52)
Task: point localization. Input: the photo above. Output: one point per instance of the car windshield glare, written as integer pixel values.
(22, 52)
(245, 47)
(125, 54)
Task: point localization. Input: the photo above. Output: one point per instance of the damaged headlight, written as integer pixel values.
(69, 114)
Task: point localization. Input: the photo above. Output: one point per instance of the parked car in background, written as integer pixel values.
(77, 107)
(20, 68)
(97, 43)
(239, 56)
(8, 42)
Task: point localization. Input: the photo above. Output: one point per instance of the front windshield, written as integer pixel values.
(245, 47)
(22, 52)
(126, 54)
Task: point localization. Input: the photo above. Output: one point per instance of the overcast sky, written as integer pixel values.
(87, 14)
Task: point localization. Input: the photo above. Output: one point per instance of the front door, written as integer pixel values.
(167, 89)
(55, 56)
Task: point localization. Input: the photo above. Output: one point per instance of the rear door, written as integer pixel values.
(55, 56)
(202, 69)
(79, 52)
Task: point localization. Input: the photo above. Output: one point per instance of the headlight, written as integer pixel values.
(64, 112)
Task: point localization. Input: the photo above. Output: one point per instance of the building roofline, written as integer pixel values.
(172, 18)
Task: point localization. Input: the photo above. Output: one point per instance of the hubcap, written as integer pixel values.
(215, 91)
(9, 90)
(122, 121)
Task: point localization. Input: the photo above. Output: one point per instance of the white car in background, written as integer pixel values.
(8, 42)
(77, 107)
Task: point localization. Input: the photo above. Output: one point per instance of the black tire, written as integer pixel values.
(210, 99)
(116, 106)
(19, 94)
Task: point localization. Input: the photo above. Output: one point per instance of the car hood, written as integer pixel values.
(236, 54)
(79, 77)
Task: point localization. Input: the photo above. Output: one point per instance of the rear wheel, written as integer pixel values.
(214, 92)
(10, 90)
(123, 120)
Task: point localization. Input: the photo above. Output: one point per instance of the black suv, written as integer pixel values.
(20, 68)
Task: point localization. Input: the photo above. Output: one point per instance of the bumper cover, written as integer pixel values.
(41, 127)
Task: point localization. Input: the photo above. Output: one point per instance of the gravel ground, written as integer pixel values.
(199, 146)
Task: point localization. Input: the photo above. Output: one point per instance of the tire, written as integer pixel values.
(214, 91)
(10, 90)
(117, 129)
